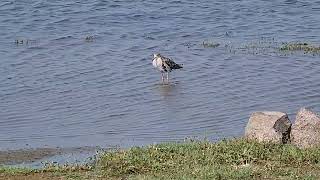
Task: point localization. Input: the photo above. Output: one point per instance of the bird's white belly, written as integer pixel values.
(157, 63)
(154, 63)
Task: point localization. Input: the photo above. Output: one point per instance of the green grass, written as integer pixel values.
(228, 159)
(16, 170)
(58, 172)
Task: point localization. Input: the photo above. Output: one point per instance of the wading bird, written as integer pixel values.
(164, 65)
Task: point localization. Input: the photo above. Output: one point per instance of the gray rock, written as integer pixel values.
(305, 131)
(269, 126)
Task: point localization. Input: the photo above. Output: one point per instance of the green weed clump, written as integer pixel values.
(307, 48)
(210, 44)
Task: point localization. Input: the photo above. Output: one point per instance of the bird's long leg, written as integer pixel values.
(167, 77)
(162, 78)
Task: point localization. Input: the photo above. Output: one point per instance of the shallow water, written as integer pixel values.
(81, 72)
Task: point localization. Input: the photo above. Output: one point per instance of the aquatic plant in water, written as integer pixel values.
(210, 44)
(299, 46)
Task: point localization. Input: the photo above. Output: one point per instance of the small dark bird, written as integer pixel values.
(164, 65)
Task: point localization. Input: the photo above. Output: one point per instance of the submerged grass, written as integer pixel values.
(264, 46)
(298, 46)
(227, 159)
(207, 44)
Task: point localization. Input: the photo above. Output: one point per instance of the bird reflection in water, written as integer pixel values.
(168, 90)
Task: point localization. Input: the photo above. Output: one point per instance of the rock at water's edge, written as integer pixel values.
(305, 131)
(269, 126)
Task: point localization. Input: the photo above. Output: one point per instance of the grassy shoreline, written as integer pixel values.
(227, 159)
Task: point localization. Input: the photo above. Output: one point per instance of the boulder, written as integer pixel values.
(305, 131)
(269, 126)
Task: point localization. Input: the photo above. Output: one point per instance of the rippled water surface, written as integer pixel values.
(81, 73)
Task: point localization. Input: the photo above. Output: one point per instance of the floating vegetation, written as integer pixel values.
(298, 46)
(89, 38)
(22, 41)
(264, 46)
(210, 44)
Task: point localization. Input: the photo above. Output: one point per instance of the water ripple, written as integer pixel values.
(88, 80)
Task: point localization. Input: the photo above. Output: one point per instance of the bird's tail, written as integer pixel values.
(177, 66)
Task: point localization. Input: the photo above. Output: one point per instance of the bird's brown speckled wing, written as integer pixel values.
(171, 63)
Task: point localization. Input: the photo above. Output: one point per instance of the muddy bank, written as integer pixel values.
(28, 156)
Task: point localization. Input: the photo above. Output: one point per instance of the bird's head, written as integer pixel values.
(156, 55)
